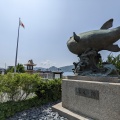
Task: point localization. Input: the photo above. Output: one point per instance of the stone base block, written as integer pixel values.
(67, 113)
(94, 97)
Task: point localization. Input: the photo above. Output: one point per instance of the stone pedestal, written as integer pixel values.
(97, 98)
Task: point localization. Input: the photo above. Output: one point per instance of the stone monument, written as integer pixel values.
(92, 94)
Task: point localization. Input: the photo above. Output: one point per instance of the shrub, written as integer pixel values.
(18, 86)
(50, 89)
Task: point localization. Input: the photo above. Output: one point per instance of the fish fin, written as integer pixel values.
(113, 48)
(76, 38)
(107, 24)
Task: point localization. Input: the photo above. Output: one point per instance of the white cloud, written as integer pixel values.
(47, 63)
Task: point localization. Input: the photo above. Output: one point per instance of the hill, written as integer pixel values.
(67, 68)
(53, 68)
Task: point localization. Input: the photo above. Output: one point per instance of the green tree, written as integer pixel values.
(10, 69)
(111, 59)
(114, 60)
(19, 68)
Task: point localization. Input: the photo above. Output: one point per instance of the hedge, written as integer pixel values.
(46, 90)
(9, 108)
(50, 89)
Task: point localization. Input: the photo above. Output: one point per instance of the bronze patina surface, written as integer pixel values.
(87, 45)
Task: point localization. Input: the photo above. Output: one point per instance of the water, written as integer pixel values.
(68, 74)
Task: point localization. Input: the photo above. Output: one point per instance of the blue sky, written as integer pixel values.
(48, 26)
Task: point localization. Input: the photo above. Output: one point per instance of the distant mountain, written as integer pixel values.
(67, 68)
(53, 68)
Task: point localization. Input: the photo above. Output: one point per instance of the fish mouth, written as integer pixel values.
(72, 46)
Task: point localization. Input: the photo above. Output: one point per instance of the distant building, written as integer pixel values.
(46, 74)
(51, 74)
(57, 74)
(30, 65)
(2, 71)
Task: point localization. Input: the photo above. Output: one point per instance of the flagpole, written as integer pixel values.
(17, 47)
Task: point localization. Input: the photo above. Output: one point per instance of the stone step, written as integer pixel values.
(67, 113)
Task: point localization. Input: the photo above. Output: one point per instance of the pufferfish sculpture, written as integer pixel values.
(87, 45)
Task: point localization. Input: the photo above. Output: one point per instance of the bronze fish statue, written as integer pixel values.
(102, 39)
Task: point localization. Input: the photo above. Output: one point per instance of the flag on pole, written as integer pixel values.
(22, 24)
